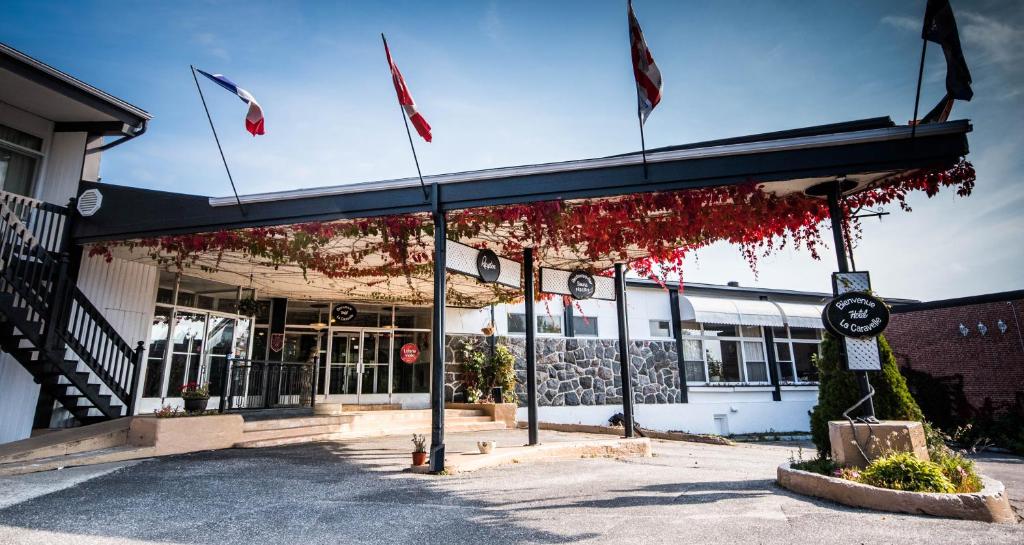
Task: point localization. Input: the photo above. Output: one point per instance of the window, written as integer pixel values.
(516, 322)
(693, 360)
(584, 326)
(20, 155)
(795, 349)
(549, 325)
(660, 328)
(546, 325)
(803, 360)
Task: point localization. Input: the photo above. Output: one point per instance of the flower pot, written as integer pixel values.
(486, 447)
(419, 458)
(195, 405)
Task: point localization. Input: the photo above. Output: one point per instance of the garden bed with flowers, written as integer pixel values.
(900, 482)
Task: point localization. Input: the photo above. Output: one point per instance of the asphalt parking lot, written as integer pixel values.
(356, 493)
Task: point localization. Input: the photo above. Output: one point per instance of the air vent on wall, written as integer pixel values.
(89, 202)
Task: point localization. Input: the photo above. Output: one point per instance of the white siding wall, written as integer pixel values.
(63, 168)
(746, 410)
(18, 395)
(124, 291)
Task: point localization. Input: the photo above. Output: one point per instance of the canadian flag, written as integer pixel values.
(405, 98)
(648, 77)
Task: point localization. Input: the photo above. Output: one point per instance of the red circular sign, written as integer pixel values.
(409, 352)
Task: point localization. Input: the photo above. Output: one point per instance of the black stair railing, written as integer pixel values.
(57, 312)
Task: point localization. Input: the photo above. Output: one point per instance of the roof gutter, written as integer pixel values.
(135, 132)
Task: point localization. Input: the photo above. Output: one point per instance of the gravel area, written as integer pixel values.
(355, 493)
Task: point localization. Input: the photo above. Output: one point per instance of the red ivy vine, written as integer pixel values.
(652, 231)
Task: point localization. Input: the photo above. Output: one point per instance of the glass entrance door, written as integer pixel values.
(344, 363)
(360, 366)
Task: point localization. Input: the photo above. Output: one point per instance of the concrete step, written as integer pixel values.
(293, 440)
(107, 434)
(414, 414)
(368, 432)
(295, 431)
(99, 456)
(286, 423)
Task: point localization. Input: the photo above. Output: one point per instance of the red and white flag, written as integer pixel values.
(648, 77)
(405, 99)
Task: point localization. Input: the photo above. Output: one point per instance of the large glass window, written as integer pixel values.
(723, 353)
(20, 155)
(192, 343)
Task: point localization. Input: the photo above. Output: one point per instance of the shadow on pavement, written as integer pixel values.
(326, 493)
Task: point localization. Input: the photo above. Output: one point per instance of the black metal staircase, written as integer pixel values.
(49, 326)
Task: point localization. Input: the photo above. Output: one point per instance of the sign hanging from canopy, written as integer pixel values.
(578, 284)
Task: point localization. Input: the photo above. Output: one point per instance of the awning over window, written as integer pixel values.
(730, 311)
(802, 314)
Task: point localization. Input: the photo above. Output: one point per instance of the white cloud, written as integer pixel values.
(211, 44)
(998, 41)
(902, 22)
(491, 24)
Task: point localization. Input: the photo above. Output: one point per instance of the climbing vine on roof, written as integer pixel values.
(652, 231)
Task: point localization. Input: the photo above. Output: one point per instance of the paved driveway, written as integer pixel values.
(336, 493)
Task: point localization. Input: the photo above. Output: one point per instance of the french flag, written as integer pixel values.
(254, 118)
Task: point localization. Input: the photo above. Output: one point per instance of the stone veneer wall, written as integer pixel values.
(580, 371)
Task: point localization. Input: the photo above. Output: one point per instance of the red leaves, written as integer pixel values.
(654, 231)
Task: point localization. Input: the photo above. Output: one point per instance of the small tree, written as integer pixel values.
(838, 391)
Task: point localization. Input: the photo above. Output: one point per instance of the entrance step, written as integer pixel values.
(286, 423)
(358, 424)
(372, 407)
(99, 456)
(66, 442)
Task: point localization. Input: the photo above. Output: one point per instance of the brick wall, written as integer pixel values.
(988, 370)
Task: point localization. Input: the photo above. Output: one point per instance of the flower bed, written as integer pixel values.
(990, 504)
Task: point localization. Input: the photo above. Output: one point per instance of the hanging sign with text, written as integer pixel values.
(344, 312)
(409, 353)
(488, 266)
(855, 314)
(578, 284)
(582, 285)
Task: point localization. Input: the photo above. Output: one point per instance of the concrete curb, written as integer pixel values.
(651, 434)
(595, 448)
(989, 505)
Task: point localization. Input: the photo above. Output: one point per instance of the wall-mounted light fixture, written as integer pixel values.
(982, 329)
(964, 331)
(1002, 326)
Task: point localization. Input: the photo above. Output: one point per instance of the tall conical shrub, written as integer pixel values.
(838, 391)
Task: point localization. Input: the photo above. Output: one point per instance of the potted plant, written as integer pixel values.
(195, 396)
(419, 451)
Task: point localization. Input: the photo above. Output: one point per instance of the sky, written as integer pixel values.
(510, 83)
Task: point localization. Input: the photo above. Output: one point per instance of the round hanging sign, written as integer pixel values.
(488, 267)
(409, 353)
(855, 314)
(344, 312)
(582, 284)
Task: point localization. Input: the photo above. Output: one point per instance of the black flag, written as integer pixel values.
(940, 27)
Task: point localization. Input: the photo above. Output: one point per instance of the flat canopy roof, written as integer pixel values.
(866, 152)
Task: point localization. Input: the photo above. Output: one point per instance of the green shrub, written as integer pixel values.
(838, 391)
(961, 472)
(819, 464)
(904, 471)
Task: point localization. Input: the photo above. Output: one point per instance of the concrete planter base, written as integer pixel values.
(989, 505)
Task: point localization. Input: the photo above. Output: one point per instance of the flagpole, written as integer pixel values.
(217, 140)
(408, 133)
(643, 146)
(917, 96)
